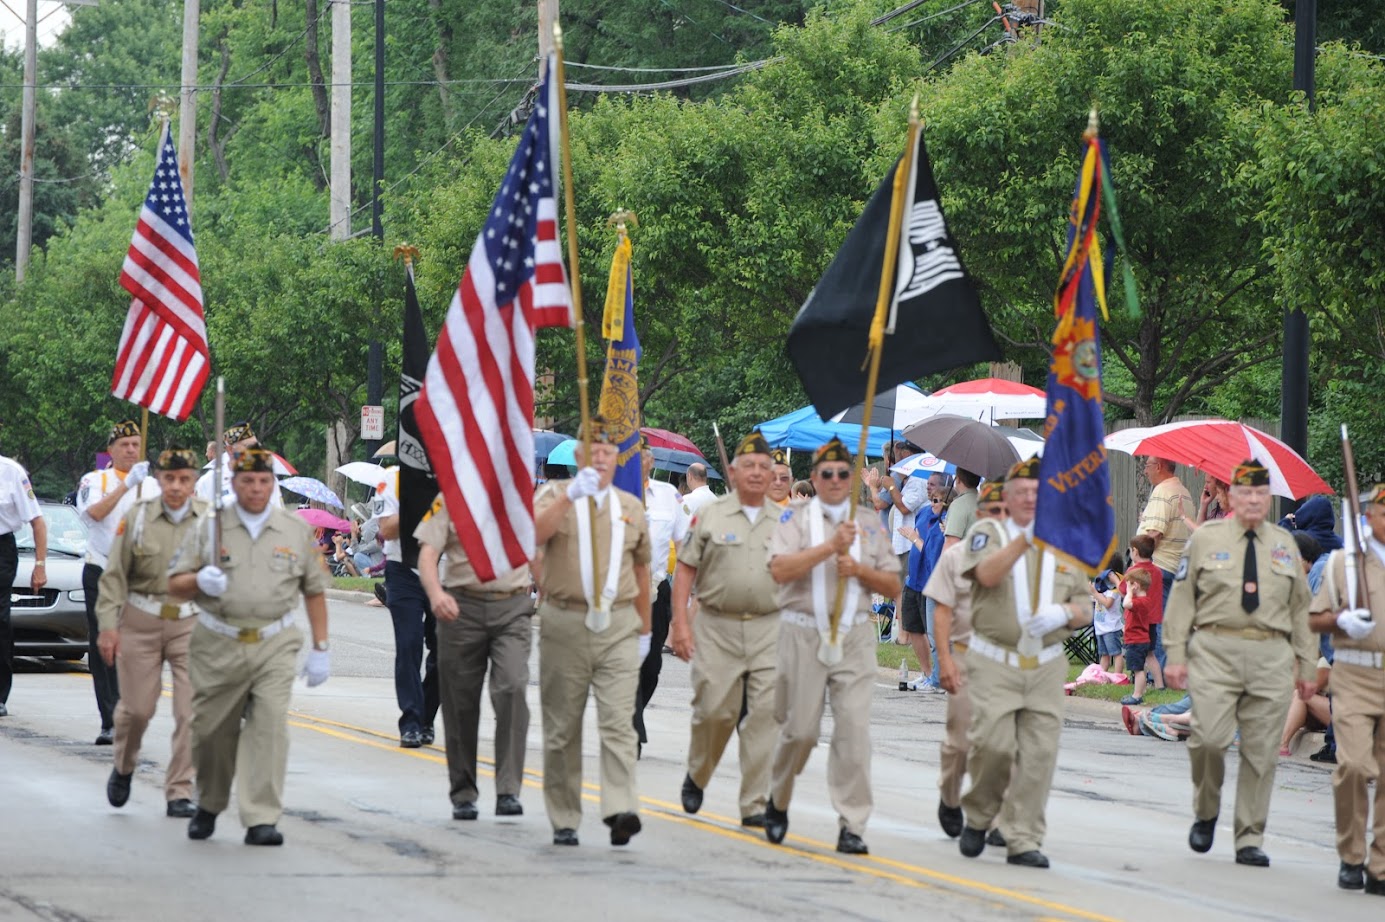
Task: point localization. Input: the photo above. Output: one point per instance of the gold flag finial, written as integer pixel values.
(164, 106)
(1093, 124)
(406, 252)
(914, 109)
(620, 218)
(557, 36)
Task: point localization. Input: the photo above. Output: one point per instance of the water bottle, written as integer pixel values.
(903, 675)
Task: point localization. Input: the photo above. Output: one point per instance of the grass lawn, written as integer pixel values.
(354, 583)
(889, 654)
(1153, 696)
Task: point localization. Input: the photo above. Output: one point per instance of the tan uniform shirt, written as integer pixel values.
(791, 536)
(142, 555)
(560, 579)
(993, 612)
(729, 554)
(1161, 515)
(947, 586)
(1332, 596)
(265, 576)
(1207, 590)
(436, 531)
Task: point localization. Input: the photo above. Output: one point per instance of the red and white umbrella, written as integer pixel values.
(1216, 446)
(985, 400)
(662, 438)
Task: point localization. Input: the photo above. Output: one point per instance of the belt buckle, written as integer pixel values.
(248, 635)
(169, 612)
(1028, 662)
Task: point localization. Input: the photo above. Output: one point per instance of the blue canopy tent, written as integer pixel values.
(804, 430)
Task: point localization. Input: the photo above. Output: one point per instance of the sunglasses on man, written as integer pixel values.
(843, 473)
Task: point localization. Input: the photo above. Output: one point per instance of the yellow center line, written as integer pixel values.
(708, 822)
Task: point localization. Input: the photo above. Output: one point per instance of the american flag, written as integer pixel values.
(476, 408)
(162, 362)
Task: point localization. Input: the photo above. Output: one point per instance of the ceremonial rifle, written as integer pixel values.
(1355, 543)
(725, 464)
(220, 424)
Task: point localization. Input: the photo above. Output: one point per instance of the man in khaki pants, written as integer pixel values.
(479, 624)
(594, 625)
(1016, 668)
(813, 544)
(731, 643)
(951, 594)
(1358, 702)
(244, 650)
(141, 629)
(1237, 621)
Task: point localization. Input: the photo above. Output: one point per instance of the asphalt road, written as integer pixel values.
(370, 835)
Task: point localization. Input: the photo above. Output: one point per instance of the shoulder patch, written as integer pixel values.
(1182, 568)
(433, 510)
(120, 529)
(788, 514)
(978, 541)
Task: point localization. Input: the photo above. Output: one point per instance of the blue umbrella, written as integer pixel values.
(545, 442)
(312, 489)
(665, 459)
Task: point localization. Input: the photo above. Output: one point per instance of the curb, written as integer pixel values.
(347, 595)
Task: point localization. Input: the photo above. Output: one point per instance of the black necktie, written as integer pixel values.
(1250, 587)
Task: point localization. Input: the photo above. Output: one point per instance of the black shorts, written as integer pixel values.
(911, 612)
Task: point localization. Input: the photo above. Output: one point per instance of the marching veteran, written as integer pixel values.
(813, 545)
(141, 629)
(1358, 701)
(479, 624)
(594, 626)
(103, 498)
(1015, 672)
(1237, 620)
(731, 641)
(245, 647)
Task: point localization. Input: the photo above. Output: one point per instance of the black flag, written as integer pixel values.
(935, 322)
(417, 485)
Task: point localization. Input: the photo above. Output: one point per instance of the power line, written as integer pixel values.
(938, 15)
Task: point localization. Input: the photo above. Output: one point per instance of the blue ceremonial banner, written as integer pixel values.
(1075, 518)
(620, 390)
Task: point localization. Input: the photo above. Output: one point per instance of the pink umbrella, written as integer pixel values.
(662, 438)
(1216, 446)
(321, 518)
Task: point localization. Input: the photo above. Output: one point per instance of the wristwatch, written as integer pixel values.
(40, 563)
(320, 645)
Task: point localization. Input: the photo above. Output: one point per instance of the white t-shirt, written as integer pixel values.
(96, 486)
(914, 494)
(668, 521)
(697, 499)
(18, 506)
(1109, 618)
(385, 502)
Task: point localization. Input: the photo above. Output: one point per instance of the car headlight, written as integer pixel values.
(78, 595)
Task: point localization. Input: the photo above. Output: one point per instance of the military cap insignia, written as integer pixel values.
(834, 450)
(253, 461)
(123, 430)
(177, 459)
(780, 456)
(1028, 469)
(753, 444)
(239, 432)
(597, 430)
(992, 491)
(1250, 473)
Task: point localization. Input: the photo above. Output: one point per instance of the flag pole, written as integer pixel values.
(579, 324)
(143, 446)
(876, 341)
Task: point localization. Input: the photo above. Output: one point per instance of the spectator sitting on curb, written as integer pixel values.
(1313, 714)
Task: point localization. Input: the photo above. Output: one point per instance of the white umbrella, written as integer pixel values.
(363, 472)
(891, 409)
(985, 400)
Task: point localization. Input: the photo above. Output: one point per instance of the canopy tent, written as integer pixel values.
(804, 430)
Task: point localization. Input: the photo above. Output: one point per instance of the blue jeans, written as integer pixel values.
(928, 607)
(1156, 631)
(414, 628)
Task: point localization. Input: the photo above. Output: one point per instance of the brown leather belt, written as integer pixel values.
(1245, 633)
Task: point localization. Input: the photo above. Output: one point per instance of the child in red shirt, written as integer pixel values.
(1141, 601)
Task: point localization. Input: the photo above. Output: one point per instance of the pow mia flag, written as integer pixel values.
(417, 485)
(935, 320)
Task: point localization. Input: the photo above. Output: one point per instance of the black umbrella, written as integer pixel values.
(545, 442)
(891, 407)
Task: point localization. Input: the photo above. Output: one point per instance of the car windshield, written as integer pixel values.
(66, 533)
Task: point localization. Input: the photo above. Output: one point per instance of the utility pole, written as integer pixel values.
(375, 353)
(187, 109)
(548, 15)
(341, 120)
(25, 237)
(1293, 406)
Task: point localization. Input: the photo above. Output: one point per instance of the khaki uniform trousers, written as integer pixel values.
(1235, 682)
(953, 751)
(494, 632)
(233, 681)
(146, 643)
(734, 662)
(573, 661)
(1358, 720)
(801, 690)
(1017, 718)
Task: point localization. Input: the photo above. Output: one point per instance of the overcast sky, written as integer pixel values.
(52, 18)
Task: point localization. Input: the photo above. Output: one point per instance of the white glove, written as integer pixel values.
(1048, 618)
(135, 476)
(644, 646)
(586, 483)
(317, 667)
(1356, 623)
(211, 580)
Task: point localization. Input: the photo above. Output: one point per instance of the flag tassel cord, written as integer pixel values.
(579, 324)
(876, 342)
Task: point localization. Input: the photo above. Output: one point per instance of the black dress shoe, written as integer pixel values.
(848, 843)
(466, 810)
(379, 590)
(202, 825)
(950, 818)
(426, 737)
(1252, 856)
(1351, 876)
(508, 805)
(410, 739)
(118, 788)
(106, 737)
(754, 821)
(565, 837)
(994, 837)
(776, 823)
(1375, 885)
(623, 827)
(692, 795)
(1030, 859)
(1327, 754)
(4, 711)
(182, 809)
(263, 834)
(1200, 836)
(972, 842)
